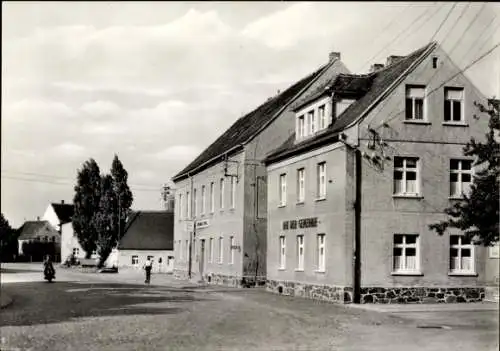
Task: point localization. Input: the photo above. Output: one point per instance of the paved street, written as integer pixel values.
(111, 312)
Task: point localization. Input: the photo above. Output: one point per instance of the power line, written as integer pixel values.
(443, 22)
(401, 33)
(456, 21)
(69, 179)
(442, 84)
(45, 181)
(474, 43)
(488, 37)
(460, 38)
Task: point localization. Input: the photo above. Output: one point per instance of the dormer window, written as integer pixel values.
(301, 127)
(312, 118)
(322, 117)
(311, 121)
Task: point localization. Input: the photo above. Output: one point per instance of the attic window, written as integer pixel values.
(434, 62)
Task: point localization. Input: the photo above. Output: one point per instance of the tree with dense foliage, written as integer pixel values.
(86, 203)
(477, 214)
(8, 240)
(122, 192)
(106, 220)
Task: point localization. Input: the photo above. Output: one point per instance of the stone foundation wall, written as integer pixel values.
(338, 294)
(234, 281)
(421, 295)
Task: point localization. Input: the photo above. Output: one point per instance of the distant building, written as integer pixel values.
(37, 231)
(220, 216)
(147, 234)
(349, 205)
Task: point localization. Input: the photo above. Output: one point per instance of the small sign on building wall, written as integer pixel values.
(202, 224)
(494, 251)
(189, 226)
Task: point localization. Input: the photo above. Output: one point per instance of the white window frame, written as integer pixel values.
(282, 252)
(321, 181)
(221, 194)
(233, 192)
(76, 251)
(404, 169)
(300, 252)
(282, 189)
(404, 246)
(181, 207)
(311, 119)
(459, 247)
(188, 205)
(321, 252)
(135, 260)
(413, 98)
(301, 126)
(323, 120)
(212, 197)
(221, 250)
(301, 185)
(231, 249)
(462, 105)
(195, 202)
(211, 250)
(460, 172)
(203, 199)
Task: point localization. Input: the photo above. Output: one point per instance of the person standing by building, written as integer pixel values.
(147, 267)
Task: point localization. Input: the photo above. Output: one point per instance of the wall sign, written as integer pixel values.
(301, 223)
(202, 223)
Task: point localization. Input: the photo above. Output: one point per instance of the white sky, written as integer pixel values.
(157, 82)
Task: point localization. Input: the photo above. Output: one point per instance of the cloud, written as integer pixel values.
(69, 149)
(100, 108)
(178, 153)
(26, 109)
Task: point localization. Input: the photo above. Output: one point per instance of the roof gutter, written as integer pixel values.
(393, 85)
(193, 171)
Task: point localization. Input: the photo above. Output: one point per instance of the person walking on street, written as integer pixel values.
(147, 267)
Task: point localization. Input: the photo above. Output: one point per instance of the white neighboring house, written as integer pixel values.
(147, 234)
(59, 215)
(37, 231)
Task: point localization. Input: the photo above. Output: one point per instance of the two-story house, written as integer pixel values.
(220, 218)
(374, 160)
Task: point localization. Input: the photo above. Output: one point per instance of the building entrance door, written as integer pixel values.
(202, 257)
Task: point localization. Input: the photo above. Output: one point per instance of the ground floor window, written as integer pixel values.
(282, 252)
(76, 251)
(461, 255)
(321, 252)
(135, 260)
(405, 253)
(300, 252)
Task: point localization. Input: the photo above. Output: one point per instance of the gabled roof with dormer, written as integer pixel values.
(381, 84)
(343, 85)
(247, 127)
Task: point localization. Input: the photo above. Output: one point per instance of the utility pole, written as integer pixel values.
(191, 231)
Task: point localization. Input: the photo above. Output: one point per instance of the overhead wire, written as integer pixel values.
(443, 83)
(65, 182)
(403, 32)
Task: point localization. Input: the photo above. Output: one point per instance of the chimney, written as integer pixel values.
(393, 59)
(376, 67)
(334, 55)
(62, 202)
